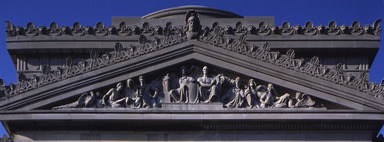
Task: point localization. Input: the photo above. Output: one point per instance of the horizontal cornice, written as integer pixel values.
(163, 114)
(332, 30)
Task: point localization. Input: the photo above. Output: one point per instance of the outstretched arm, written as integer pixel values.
(103, 101)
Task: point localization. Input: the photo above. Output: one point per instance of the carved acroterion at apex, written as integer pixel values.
(193, 85)
(193, 29)
(193, 26)
(153, 39)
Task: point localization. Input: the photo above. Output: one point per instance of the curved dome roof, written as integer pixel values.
(179, 12)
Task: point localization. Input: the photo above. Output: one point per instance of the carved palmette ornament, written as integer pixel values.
(376, 27)
(11, 30)
(146, 28)
(332, 28)
(124, 29)
(263, 53)
(314, 68)
(77, 29)
(286, 28)
(31, 30)
(377, 90)
(288, 60)
(100, 29)
(310, 29)
(361, 82)
(336, 75)
(118, 54)
(168, 29)
(55, 30)
(263, 29)
(356, 29)
(240, 28)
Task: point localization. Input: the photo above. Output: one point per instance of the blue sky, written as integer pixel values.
(89, 12)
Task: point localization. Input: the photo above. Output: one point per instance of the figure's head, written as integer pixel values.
(270, 86)
(130, 83)
(192, 21)
(251, 83)
(12, 86)
(205, 70)
(119, 85)
(237, 81)
(221, 77)
(142, 80)
(183, 70)
(98, 94)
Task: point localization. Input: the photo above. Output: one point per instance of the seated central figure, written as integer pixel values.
(207, 87)
(181, 94)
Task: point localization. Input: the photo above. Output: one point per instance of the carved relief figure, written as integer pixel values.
(86, 100)
(129, 94)
(221, 84)
(282, 101)
(147, 95)
(193, 25)
(168, 83)
(113, 98)
(301, 100)
(6, 92)
(10, 90)
(181, 94)
(251, 95)
(267, 96)
(140, 93)
(207, 87)
(234, 98)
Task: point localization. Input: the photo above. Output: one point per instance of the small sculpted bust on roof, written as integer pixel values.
(193, 24)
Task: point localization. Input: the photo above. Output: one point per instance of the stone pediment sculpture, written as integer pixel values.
(197, 87)
(192, 42)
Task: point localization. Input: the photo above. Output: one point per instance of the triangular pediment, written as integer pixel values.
(194, 53)
(183, 75)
